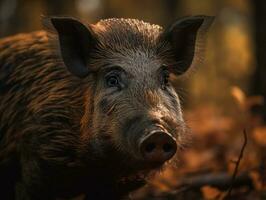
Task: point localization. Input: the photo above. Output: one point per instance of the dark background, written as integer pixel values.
(230, 60)
(222, 96)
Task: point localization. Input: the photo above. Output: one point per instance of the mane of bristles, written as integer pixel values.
(122, 33)
(117, 34)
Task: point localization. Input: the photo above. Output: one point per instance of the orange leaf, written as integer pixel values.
(210, 192)
(259, 135)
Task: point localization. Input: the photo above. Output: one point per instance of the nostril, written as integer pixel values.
(150, 147)
(158, 146)
(168, 147)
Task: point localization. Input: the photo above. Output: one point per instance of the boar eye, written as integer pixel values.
(112, 81)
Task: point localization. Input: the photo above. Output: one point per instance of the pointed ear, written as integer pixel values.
(182, 37)
(76, 41)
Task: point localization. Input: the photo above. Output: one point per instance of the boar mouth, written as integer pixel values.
(144, 174)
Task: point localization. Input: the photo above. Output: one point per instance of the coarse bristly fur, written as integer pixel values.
(61, 135)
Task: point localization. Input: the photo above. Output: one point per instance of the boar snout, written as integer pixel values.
(157, 146)
(149, 140)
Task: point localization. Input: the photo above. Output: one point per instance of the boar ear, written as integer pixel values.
(75, 41)
(182, 37)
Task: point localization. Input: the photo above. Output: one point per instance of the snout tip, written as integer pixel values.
(158, 147)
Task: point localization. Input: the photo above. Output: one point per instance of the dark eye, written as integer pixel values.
(165, 78)
(112, 81)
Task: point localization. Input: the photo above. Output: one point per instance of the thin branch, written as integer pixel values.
(237, 164)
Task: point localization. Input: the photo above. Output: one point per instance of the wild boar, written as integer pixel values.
(90, 108)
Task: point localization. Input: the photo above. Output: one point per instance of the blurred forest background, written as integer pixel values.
(222, 97)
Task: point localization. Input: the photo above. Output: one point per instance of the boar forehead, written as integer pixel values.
(130, 43)
(128, 33)
(136, 64)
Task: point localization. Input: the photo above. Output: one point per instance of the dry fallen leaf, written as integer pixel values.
(196, 159)
(210, 192)
(259, 135)
(239, 96)
(255, 176)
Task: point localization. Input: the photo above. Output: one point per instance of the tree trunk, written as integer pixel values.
(258, 84)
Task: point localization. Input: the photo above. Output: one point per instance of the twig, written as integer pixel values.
(237, 164)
